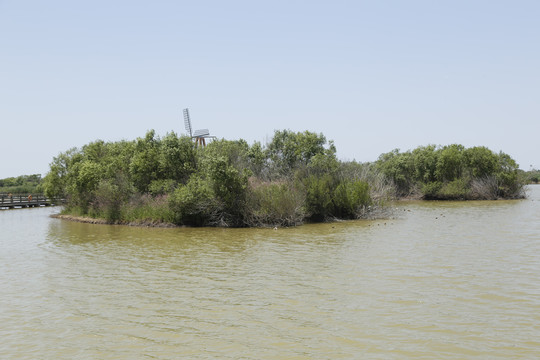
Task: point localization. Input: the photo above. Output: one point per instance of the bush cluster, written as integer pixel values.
(452, 172)
(24, 184)
(533, 176)
(294, 178)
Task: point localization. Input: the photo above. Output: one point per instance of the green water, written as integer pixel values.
(443, 280)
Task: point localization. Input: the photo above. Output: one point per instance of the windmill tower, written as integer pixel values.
(201, 135)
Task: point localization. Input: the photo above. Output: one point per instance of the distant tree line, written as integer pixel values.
(24, 184)
(453, 172)
(533, 176)
(293, 179)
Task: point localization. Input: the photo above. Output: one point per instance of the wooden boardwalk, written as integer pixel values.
(12, 201)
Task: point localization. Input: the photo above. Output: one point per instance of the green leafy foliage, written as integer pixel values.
(532, 176)
(431, 189)
(289, 150)
(229, 186)
(161, 187)
(195, 203)
(110, 196)
(452, 172)
(144, 165)
(296, 177)
(24, 184)
(455, 189)
(319, 190)
(177, 158)
(399, 167)
(450, 163)
(350, 198)
(274, 203)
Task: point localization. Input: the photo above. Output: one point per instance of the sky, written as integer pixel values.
(372, 76)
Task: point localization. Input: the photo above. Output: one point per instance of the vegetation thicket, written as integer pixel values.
(453, 172)
(533, 176)
(24, 184)
(294, 178)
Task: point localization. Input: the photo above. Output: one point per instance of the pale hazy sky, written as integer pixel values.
(370, 75)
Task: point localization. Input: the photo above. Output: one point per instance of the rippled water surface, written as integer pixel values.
(443, 280)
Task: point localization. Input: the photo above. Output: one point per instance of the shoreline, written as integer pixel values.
(376, 213)
(97, 221)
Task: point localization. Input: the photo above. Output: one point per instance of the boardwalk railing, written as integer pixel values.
(11, 201)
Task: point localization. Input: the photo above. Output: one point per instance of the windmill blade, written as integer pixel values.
(187, 122)
(201, 133)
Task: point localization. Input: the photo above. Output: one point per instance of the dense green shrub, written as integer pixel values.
(532, 176)
(213, 196)
(274, 203)
(424, 164)
(350, 198)
(481, 162)
(452, 172)
(431, 189)
(147, 209)
(289, 151)
(195, 203)
(455, 189)
(177, 158)
(109, 197)
(319, 189)
(229, 186)
(24, 184)
(162, 187)
(450, 163)
(399, 167)
(144, 165)
(257, 159)
(107, 201)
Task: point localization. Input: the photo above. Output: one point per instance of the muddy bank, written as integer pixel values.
(89, 220)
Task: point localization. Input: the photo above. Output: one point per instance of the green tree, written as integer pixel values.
(289, 150)
(144, 166)
(56, 182)
(450, 163)
(23, 184)
(230, 188)
(234, 152)
(257, 159)
(399, 167)
(319, 190)
(87, 175)
(176, 158)
(510, 184)
(110, 195)
(195, 203)
(425, 163)
(481, 161)
(350, 197)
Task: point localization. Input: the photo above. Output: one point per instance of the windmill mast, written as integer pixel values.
(187, 122)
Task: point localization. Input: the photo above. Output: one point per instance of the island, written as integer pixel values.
(295, 178)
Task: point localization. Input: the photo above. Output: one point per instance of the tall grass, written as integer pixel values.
(273, 203)
(147, 208)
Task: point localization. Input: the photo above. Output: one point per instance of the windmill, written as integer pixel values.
(201, 135)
